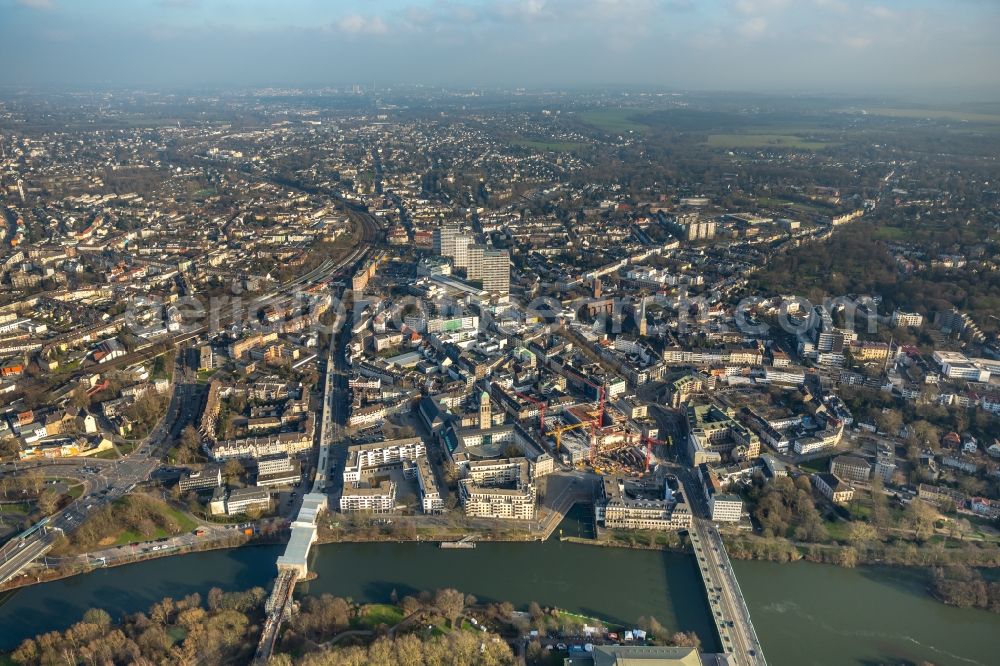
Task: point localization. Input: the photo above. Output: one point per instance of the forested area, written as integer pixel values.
(222, 631)
(855, 262)
(965, 587)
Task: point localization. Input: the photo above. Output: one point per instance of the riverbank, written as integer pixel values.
(799, 609)
(751, 547)
(617, 585)
(86, 566)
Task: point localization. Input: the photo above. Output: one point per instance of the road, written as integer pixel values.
(329, 457)
(729, 609)
(111, 481)
(17, 553)
(725, 599)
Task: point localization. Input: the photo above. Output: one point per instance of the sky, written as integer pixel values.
(930, 47)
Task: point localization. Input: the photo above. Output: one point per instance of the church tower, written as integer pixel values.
(485, 411)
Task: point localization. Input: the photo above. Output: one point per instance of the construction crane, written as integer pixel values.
(650, 442)
(598, 420)
(559, 430)
(541, 409)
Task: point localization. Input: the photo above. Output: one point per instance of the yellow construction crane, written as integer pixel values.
(559, 430)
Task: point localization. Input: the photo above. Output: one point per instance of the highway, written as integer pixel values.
(16, 553)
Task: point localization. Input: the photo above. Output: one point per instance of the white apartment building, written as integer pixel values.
(901, 319)
(430, 494)
(381, 454)
(361, 497)
(498, 489)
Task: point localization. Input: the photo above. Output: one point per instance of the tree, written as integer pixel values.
(232, 470)
(861, 533)
(449, 603)
(889, 421)
(215, 596)
(48, 501)
(408, 651)
(655, 631)
(409, 605)
(685, 639)
(920, 517)
(97, 616)
(880, 508)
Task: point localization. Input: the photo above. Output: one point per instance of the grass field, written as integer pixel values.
(816, 465)
(182, 519)
(614, 120)
(838, 529)
(16, 507)
(937, 114)
(764, 140)
(891, 233)
(373, 615)
(554, 146)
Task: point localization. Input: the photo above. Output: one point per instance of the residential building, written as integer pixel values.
(364, 459)
(902, 319)
(431, 500)
(363, 497)
(498, 489)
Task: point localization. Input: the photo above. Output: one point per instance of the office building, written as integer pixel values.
(496, 271)
(833, 488)
(851, 468)
(239, 501)
(619, 508)
(210, 477)
(726, 508)
(278, 470)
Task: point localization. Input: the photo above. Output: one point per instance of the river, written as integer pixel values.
(804, 613)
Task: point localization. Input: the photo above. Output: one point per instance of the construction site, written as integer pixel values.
(597, 435)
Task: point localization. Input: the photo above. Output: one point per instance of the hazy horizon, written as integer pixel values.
(941, 50)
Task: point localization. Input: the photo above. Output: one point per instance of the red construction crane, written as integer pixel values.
(541, 409)
(649, 442)
(598, 421)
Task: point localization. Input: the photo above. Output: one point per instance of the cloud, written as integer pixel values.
(858, 41)
(356, 24)
(179, 4)
(754, 27)
(755, 7)
(37, 4)
(880, 12)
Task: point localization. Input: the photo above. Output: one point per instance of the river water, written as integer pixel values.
(804, 613)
